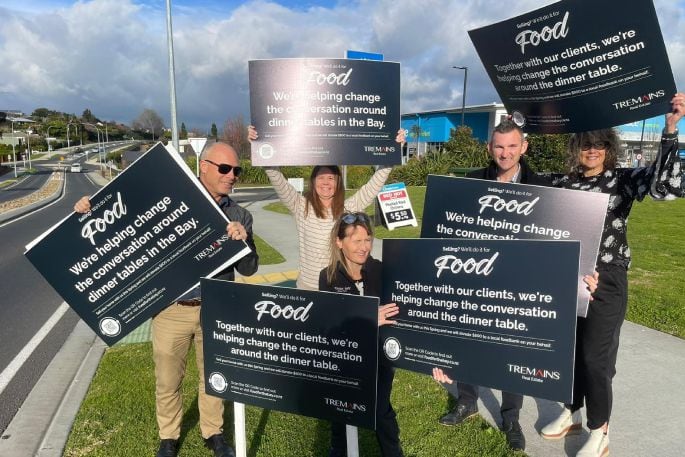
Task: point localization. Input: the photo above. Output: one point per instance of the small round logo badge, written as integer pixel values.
(392, 348)
(266, 151)
(218, 382)
(518, 118)
(110, 326)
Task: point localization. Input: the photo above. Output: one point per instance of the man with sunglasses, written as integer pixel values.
(507, 147)
(175, 327)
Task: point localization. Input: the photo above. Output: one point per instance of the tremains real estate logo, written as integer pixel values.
(639, 101)
(345, 406)
(211, 250)
(534, 374)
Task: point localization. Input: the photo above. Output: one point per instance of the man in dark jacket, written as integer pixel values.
(507, 147)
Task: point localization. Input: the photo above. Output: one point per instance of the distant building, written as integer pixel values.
(433, 127)
(14, 119)
(639, 139)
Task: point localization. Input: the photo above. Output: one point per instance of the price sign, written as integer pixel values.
(400, 215)
(396, 206)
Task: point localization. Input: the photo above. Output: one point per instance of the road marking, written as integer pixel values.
(23, 355)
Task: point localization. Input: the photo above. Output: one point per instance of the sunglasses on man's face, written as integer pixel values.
(225, 168)
(351, 218)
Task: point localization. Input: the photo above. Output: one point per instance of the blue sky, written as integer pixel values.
(110, 55)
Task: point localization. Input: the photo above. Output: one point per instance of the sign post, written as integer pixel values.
(198, 145)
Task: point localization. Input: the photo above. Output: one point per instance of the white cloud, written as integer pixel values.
(110, 55)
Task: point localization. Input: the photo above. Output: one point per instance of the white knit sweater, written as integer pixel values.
(314, 233)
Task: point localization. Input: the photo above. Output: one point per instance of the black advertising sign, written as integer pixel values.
(480, 209)
(325, 111)
(495, 313)
(567, 68)
(151, 234)
(304, 352)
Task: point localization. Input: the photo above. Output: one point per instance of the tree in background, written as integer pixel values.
(183, 135)
(149, 121)
(547, 153)
(215, 133)
(87, 116)
(415, 135)
(468, 151)
(235, 134)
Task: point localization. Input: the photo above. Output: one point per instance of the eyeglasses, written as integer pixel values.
(225, 168)
(351, 218)
(597, 145)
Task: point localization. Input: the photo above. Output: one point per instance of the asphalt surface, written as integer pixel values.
(646, 421)
(28, 301)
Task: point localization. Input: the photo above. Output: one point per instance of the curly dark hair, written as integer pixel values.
(607, 136)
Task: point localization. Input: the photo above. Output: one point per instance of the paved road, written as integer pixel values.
(27, 301)
(25, 186)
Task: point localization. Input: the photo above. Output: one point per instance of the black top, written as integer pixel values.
(661, 180)
(342, 283)
(528, 176)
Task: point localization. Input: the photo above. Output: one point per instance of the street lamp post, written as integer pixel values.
(28, 145)
(105, 137)
(14, 152)
(47, 139)
(463, 93)
(172, 77)
(68, 139)
(418, 133)
(97, 130)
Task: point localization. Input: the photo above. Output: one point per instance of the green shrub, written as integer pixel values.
(252, 175)
(298, 172)
(358, 175)
(416, 170)
(191, 160)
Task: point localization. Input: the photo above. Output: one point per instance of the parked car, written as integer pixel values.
(75, 168)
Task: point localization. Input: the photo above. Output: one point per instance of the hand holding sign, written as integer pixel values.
(385, 312)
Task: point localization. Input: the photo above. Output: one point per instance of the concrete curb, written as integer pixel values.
(21, 211)
(42, 424)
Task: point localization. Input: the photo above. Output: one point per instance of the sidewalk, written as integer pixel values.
(648, 404)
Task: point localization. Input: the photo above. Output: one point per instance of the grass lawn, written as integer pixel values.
(118, 419)
(656, 285)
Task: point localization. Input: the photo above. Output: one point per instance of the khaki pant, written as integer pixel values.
(173, 330)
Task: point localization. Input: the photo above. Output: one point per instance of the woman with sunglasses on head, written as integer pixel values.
(318, 208)
(592, 159)
(352, 270)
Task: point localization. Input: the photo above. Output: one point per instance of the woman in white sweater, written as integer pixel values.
(317, 210)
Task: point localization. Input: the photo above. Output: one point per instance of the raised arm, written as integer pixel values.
(668, 173)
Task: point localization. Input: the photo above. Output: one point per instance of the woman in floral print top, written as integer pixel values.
(593, 157)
